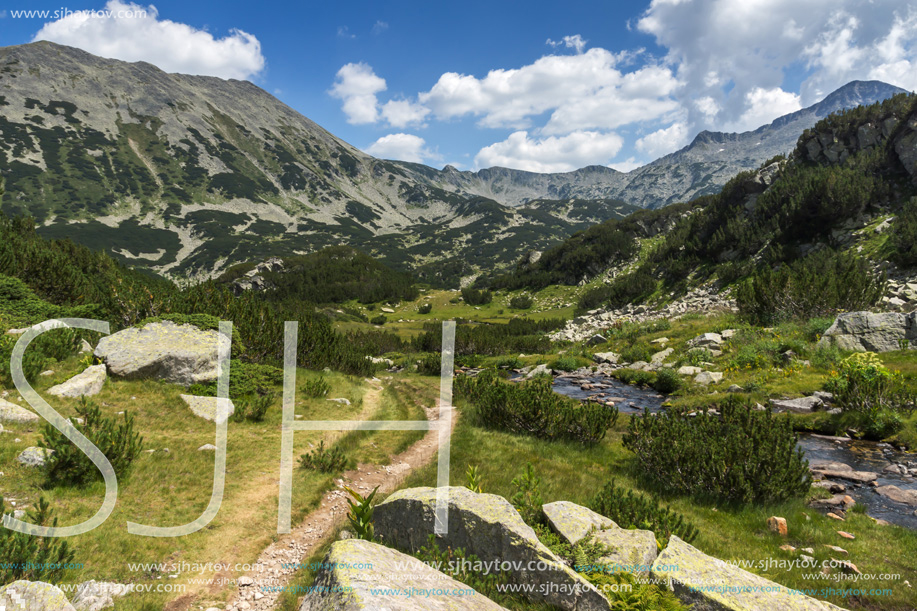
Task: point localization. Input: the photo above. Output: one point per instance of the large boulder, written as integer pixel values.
(10, 412)
(868, 332)
(713, 585)
(706, 340)
(33, 596)
(837, 470)
(487, 526)
(574, 522)
(182, 354)
(357, 575)
(86, 384)
(606, 357)
(894, 493)
(803, 405)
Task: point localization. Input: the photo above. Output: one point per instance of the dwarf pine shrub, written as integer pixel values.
(324, 460)
(744, 456)
(33, 558)
(629, 509)
(70, 466)
(532, 408)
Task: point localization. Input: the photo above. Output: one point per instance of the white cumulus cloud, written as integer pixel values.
(401, 113)
(576, 42)
(584, 91)
(763, 106)
(551, 154)
(357, 85)
(664, 141)
(133, 32)
(404, 147)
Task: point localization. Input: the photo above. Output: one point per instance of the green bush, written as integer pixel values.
(629, 509)
(326, 461)
(245, 379)
(252, 407)
(864, 384)
(521, 302)
(637, 352)
(564, 363)
(904, 235)
(819, 285)
(429, 365)
(425, 308)
(667, 381)
(316, 387)
(475, 297)
(70, 466)
(744, 457)
(527, 498)
(378, 320)
(635, 377)
(518, 335)
(532, 408)
(33, 558)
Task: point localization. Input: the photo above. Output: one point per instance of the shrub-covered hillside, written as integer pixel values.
(851, 167)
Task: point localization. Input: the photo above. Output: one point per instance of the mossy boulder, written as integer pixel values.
(574, 522)
(358, 575)
(33, 596)
(181, 354)
(710, 584)
(489, 527)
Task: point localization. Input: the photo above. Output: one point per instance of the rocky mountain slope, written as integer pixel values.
(188, 175)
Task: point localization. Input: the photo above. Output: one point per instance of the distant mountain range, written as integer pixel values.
(187, 175)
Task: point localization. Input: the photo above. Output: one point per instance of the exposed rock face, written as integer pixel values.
(10, 412)
(182, 354)
(86, 384)
(206, 407)
(97, 595)
(574, 522)
(695, 576)
(33, 596)
(606, 357)
(34, 457)
(254, 280)
(382, 582)
(489, 527)
(868, 332)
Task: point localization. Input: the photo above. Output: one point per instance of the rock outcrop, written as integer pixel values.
(713, 585)
(33, 596)
(574, 522)
(357, 575)
(182, 354)
(869, 332)
(489, 527)
(86, 384)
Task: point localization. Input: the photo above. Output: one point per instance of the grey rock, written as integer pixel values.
(894, 493)
(10, 412)
(574, 522)
(387, 310)
(688, 370)
(630, 551)
(830, 486)
(705, 378)
(341, 400)
(33, 596)
(706, 340)
(379, 583)
(539, 371)
(595, 340)
(207, 447)
(206, 407)
(34, 457)
(97, 595)
(661, 356)
(182, 354)
(835, 470)
(803, 405)
(734, 388)
(690, 573)
(869, 332)
(487, 526)
(86, 384)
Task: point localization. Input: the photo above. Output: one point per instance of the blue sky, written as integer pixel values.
(541, 86)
